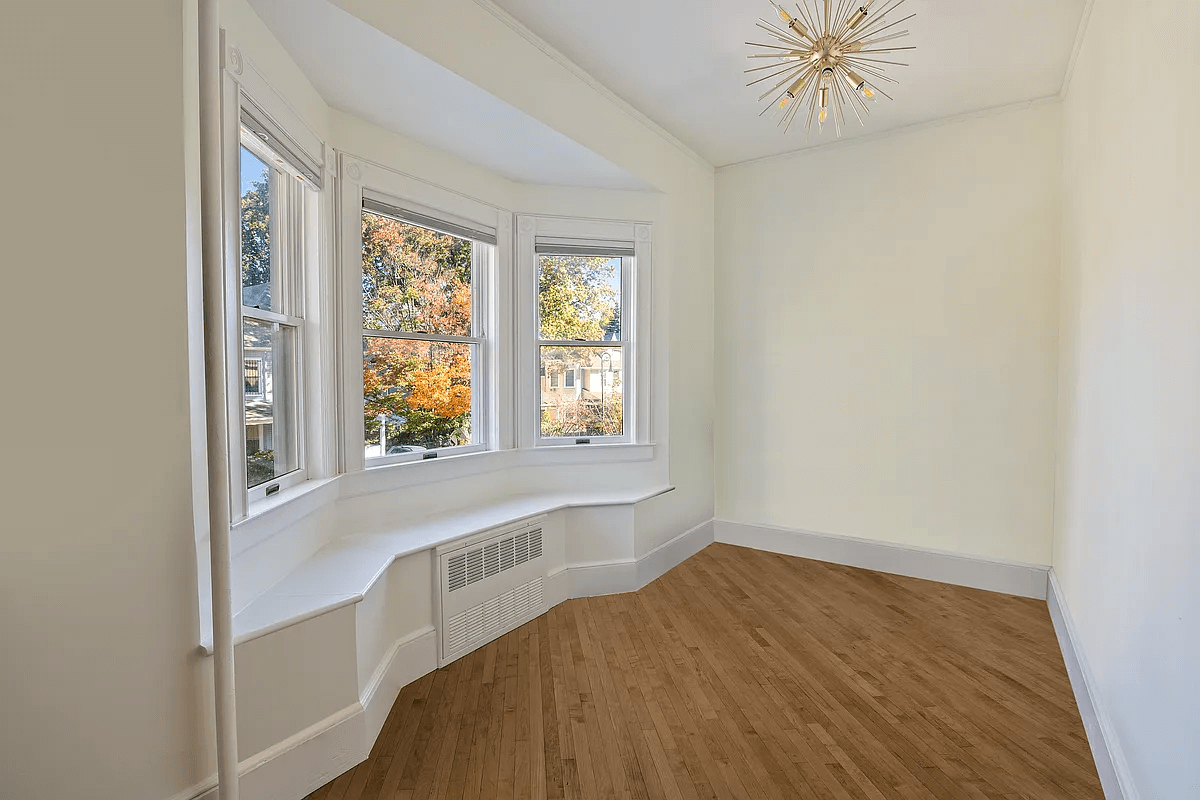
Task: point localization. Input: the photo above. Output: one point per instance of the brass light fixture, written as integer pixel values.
(827, 61)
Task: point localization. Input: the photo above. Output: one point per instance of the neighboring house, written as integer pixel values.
(593, 376)
(257, 371)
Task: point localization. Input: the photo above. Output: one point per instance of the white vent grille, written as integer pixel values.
(489, 587)
(494, 616)
(492, 558)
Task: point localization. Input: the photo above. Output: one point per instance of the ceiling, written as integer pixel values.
(364, 72)
(680, 63)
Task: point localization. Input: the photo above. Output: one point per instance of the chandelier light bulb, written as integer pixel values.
(822, 116)
(867, 92)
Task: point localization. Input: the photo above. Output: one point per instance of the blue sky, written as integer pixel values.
(252, 168)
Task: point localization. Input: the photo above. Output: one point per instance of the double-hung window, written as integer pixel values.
(424, 333)
(583, 327)
(269, 288)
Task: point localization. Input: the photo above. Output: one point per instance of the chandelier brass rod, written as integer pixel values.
(889, 49)
(812, 29)
(853, 107)
(881, 61)
(788, 68)
(786, 78)
(780, 34)
(872, 27)
(772, 46)
(882, 39)
(827, 4)
(764, 66)
(795, 56)
(872, 71)
(812, 107)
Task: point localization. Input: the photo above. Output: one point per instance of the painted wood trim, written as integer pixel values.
(1023, 580)
(1114, 772)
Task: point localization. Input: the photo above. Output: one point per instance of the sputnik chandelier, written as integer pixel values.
(828, 61)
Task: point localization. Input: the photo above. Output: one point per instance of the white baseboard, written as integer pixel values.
(629, 575)
(306, 761)
(1024, 580)
(410, 658)
(672, 553)
(1106, 748)
(609, 577)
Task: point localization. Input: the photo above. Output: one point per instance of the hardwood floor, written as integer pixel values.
(743, 674)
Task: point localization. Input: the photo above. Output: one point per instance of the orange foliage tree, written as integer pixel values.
(416, 281)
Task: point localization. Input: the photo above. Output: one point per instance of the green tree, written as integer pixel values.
(578, 296)
(256, 237)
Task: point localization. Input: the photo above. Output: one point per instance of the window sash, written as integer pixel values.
(550, 246)
(287, 292)
(480, 421)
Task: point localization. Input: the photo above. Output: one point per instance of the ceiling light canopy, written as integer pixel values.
(822, 56)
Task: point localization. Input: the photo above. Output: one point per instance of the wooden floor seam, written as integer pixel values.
(746, 674)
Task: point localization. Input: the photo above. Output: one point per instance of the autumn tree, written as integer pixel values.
(416, 280)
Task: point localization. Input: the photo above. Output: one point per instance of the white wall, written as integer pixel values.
(886, 337)
(1127, 534)
(101, 683)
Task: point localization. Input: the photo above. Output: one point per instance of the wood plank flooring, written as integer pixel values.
(743, 674)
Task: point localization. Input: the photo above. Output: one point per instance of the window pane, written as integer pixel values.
(587, 400)
(417, 395)
(269, 367)
(414, 280)
(256, 232)
(579, 297)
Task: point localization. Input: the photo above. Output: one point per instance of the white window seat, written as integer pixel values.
(342, 572)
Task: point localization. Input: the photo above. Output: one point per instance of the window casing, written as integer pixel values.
(277, 281)
(426, 383)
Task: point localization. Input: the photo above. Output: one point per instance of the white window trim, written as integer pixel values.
(492, 367)
(636, 325)
(243, 85)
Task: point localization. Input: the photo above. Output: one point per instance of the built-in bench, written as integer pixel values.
(342, 572)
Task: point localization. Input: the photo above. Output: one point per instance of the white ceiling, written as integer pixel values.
(364, 72)
(680, 63)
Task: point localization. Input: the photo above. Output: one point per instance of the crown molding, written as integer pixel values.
(917, 126)
(1080, 35)
(579, 72)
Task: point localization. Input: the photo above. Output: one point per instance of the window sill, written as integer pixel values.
(270, 515)
(387, 477)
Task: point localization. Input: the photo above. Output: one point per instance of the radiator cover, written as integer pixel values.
(489, 586)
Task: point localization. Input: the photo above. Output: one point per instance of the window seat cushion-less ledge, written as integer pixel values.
(341, 573)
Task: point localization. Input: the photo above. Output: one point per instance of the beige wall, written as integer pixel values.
(886, 337)
(100, 681)
(1127, 535)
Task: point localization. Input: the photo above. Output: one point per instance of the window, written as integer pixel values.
(270, 289)
(253, 377)
(582, 330)
(423, 334)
